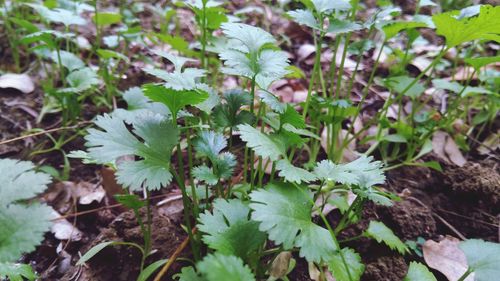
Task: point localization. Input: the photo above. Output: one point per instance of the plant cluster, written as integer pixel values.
(248, 208)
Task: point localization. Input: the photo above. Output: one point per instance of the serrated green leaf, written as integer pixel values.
(328, 6)
(229, 230)
(262, 144)
(252, 38)
(138, 104)
(68, 60)
(159, 135)
(23, 226)
(210, 144)
(284, 212)
(380, 232)
(346, 257)
(175, 100)
(22, 229)
(63, 16)
(305, 17)
(227, 115)
(293, 174)
(458, 30)
(247, 54)
(392, 29)
(20, 181)
(16, 271)
(419, 272)
(206, 174)
(272, 101)
(81, 80)
(363, 172)
(483, 258)
(218, 267)
(338, 26)
(292, 117)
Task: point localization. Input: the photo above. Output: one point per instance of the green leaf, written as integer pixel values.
(229, 230)
(262, 144)
(252, 38)
(457, 88)
(328, 6)
(482, 258)
(159, 138)
(81, 80)
(458, 30)
(227, 115)
(206, 174)
(19, 181)
(109, 54)
(247, 54)
(138, 104)
(355, 266)
(150, 269)
(68, 60)
(292, 117)
(380, 232)
(293, 174)
(210, 144)
(272, 101)
(218, 267)
(131, 201)
(480, 62)
(106, 18)
(400, 83)
(63, 16)
(284, 212)
(362, 172)
(338, 26)
(395, 138)
(419, 272)
(392, 29)
(305, 17)
(94, 251)
(16, 271)
(23, 226)
(175, 100)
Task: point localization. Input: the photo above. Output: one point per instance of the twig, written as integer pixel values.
(451, 227)
(174, 256)
(101, 208)
(44, 132)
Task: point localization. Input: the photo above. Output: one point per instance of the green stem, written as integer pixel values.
(466, 274)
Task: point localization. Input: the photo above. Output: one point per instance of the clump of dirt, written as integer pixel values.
(122, 263)
(409, 219)
(386, 268)
(479, 180)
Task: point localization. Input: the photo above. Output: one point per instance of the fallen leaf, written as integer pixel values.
(21, 82)
(87, 193)
(445, 148)
(447, 258)
(280, 265)
(63, 229)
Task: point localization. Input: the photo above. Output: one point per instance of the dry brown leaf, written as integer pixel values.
(447, 258)
(280, 265)
(491, 143)
(21, 82)
(445, 148)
